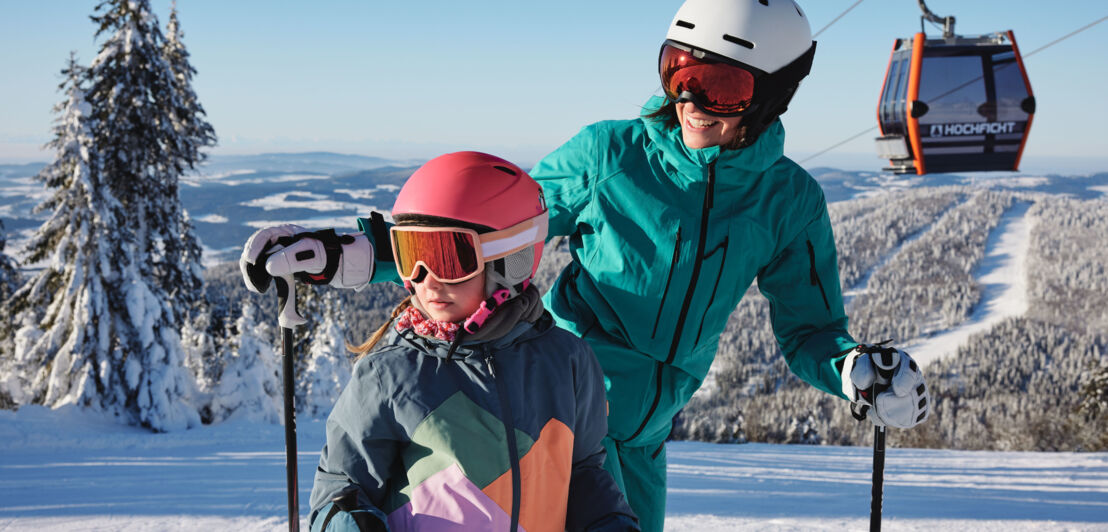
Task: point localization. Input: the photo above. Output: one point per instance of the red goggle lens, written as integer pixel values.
(450, 255)
(717, 88)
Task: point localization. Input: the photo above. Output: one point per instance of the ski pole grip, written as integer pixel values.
(885, 361)
(289, 318)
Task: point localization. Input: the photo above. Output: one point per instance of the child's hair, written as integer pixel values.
(364, 348)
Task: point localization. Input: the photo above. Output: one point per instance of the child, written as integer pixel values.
(474, 412)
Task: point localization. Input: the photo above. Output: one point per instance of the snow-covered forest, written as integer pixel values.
(1032, 382)
(110, 307)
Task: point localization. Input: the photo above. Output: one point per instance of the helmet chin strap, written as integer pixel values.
(488, 306)
(502, 291)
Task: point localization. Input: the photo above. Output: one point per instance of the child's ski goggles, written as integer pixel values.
(717, 86)
(457, 254)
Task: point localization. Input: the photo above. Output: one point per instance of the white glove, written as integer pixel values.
(318, 257)
(888, 384)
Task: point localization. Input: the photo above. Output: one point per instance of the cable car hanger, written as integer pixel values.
(947, 22)
(955, 104)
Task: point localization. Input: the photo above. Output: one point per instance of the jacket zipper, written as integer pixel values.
(699, 258)
(815, 280)
(669, 279)
(715, 287)
(513, 446)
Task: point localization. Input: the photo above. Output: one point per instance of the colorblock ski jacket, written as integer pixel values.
(666, 240)
(503, 432)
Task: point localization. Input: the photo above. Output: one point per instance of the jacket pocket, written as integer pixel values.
(814, 276)
(721, 248)
(669, 281)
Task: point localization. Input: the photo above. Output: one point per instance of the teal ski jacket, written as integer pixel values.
(666, 240)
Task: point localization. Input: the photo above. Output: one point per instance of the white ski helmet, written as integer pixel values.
(765, 34)
(771, 38)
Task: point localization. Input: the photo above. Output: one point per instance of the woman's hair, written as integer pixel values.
(667, 115)
(364, 348)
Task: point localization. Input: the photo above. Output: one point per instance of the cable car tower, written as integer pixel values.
(954, 104)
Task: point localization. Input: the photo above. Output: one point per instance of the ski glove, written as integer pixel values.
(313, 257)
(886, 384)
(345, 513)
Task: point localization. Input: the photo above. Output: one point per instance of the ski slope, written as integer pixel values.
(1003, 280)
(68, 470)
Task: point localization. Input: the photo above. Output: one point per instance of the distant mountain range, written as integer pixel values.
(232, 195)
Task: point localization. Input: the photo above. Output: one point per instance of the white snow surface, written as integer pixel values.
(75, 470)
(1003, 280)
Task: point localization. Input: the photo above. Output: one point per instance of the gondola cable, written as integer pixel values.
(1037, 50)
(836, 19)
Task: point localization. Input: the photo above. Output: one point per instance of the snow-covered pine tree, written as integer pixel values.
(203, 343)
(193, 133)
(140, 152)
(66, 326)
(9, 274)
(1094, 394)
(250, 384)
(150, 130)
(327, 364)
(9, 282)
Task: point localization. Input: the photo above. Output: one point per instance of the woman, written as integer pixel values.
(672, 215)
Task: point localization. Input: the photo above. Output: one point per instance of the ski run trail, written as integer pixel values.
(1003, 279)
(1001, 274)
(74, 470)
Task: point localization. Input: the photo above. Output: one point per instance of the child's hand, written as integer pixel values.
(257, 251)
(316, 257)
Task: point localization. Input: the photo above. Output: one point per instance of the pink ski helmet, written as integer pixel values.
(486, 193)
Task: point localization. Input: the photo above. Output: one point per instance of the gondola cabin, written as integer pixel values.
(955, 104)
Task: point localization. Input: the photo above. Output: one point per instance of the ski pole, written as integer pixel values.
(886, 361)
(878, 479)
(289, 319)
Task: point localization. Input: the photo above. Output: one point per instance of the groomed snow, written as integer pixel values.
(1003, 280)
(68, 470)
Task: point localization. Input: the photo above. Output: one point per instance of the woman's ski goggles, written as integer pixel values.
(457, 254)
(717, 87)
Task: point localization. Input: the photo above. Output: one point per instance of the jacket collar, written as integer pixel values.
(470, 350)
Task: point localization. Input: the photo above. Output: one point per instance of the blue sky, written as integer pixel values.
(415, 79)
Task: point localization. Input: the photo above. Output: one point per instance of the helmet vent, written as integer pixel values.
(741, 42)
(506, 170)
(684, 24)
(764, 2)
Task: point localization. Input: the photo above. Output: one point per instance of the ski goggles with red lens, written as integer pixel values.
(715, 85)
(457, 254)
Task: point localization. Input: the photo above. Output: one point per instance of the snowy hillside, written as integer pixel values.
(997, 285)
(231, 196)
(1000, 293)
(70, 471)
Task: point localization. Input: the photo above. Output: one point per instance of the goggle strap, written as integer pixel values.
(500, 244)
